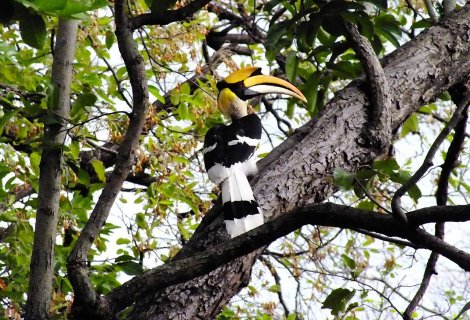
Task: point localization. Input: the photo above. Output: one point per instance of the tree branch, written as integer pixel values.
(379, 127)
(427, 163)
(87, 303)
(42, 259)
(167, 16)
(378, 130)
(327, 214)
(449, 165)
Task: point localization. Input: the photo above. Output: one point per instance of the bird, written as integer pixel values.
(228, 149)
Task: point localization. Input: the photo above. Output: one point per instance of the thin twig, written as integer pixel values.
(427, 163)
(388, 239)
(277, 280)
(431, 11)
(449, 165)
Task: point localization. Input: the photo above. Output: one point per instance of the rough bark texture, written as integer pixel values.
(42, 267)
(299, 171)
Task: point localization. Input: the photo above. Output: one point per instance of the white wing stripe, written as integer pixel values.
(242, 139)
(209, 148)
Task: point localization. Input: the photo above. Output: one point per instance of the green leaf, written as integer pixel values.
(124, 258)
(387, 166)
(123, 241)
(46, 6)
(343, 179)
(64, 8)
(421, 24)
(366, 205)
(311, 92)
(33, 29)
(291, 66)
(428, 109)
(75, 149)
(110, 39)
(35, 159)
(337, 300)
(415, 193)
(183, 111)
(131, 268)
(349, 262)
(275, 288)
(388, 27)
(280, 35)
(411, 125)
(86, 100)
(99, 169)
(83, 177)
(154, 91)
(185, 88)
(389, 36)
(140, 221)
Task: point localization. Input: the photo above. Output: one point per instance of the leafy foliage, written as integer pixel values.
(167, 193)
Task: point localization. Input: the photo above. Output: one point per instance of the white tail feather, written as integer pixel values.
(237, 188)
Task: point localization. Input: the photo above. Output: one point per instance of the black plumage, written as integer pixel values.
(220, 135)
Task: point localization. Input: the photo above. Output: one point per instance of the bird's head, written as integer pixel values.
(248, 83)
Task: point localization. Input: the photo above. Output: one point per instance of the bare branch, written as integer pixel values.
(42, 260)
(277, 280)
(167, 16)
(449, 165)
(427, 163)
(431, 11)
(87, 303)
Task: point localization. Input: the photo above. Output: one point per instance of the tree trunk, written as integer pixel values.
(42, 260)
(299, 171)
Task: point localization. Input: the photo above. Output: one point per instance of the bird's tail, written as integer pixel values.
(241, 211)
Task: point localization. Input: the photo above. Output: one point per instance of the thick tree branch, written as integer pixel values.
(327, 214)
(42, 259)
(87, 303)
(379, 126)
(167, 16)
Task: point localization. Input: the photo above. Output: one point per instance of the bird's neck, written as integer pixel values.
(238, 109)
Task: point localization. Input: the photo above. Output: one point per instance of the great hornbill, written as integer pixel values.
(228, 149)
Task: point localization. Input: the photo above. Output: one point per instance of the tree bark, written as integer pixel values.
(299, 171)
(42, 260)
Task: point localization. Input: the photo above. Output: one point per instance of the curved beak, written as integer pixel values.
(263, 84)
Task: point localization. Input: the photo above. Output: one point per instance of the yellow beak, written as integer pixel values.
(263, 84)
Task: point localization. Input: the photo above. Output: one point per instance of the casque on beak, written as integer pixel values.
(248, 83)
(264, 84)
